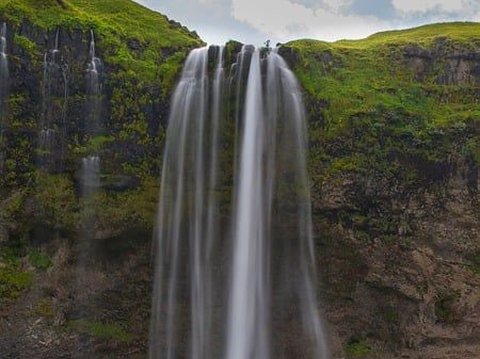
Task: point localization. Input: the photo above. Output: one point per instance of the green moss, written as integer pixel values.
(130, 209)
(358, 349)
(25, 43)
(55, 202)
(110, 331)
(170, 69)
(13, 280)
(39, 259)
(93, 146)
(472, 150)
(44, 308)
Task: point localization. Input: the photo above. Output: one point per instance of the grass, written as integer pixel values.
(358, 349)
(102, 330)
(380, 113)
(44, 308)
(39, 260)
(360, 75)
(423, 35)
(13, 279)
(129, 35)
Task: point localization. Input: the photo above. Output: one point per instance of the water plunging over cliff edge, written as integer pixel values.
(235, 271)
(4, 77)
(52, 132)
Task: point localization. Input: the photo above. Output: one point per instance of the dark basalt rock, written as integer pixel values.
(458, 66)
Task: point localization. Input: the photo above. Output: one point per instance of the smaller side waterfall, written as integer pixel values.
(53, 126)
(3, 69)
(90, 175)
(4, 78)
(90, 166)
(90, 183)
(94, 89)
(91, 163)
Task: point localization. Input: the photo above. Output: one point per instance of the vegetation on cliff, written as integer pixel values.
(395, 103)
(42, 210)
(142, 51)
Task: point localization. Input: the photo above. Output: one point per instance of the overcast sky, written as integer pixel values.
(254, 21)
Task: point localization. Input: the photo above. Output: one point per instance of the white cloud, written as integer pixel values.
(336, 5)
(285, 20)
(407, 6)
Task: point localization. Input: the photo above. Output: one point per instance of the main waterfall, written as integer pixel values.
(235, 273)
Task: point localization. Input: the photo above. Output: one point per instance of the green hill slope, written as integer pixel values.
(412, 83)
(116, 23)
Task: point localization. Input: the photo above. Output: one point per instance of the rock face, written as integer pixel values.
(414, 292)
(456, 64)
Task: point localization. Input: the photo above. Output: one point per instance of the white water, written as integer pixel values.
(94, 67)
(53, 119)
(90, 175)
(91, 163)
(247, 292)
(3, 68)
(4, 78)
(247, 326)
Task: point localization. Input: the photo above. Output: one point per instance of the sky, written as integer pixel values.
(255, 21)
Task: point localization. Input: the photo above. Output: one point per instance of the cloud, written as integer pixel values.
(254, 21)
(286, 20)
(409, 6)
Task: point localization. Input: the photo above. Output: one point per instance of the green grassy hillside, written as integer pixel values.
(115, 23)
(395, 94)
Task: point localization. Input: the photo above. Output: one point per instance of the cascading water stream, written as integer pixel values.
(246, 292)
(247, 323)
(53, 126)
(91, 163)
(4, 73)
(94, 88)
(4, 78)
(90, 179)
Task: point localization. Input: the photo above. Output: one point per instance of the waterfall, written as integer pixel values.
(247, 323)
(53, 126)
(91, 163)
(90, 180)
(94, 88)
(235, 269)
(3, 70)
(4, 78)
(90, 175)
